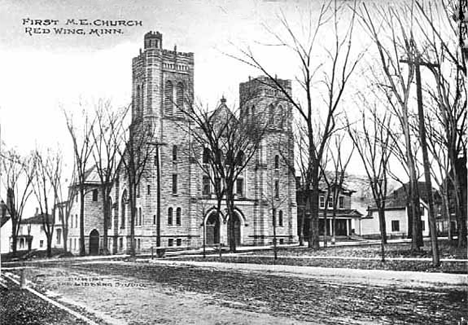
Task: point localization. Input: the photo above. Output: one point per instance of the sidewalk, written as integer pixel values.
(375, 277)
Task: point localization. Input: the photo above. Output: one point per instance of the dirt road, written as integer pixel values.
(144, 293)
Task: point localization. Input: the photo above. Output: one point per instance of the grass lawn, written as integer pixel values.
(336, 257)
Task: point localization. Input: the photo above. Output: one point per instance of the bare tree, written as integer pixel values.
(135, 159)
(336, 70)
(107, 138)
(82, 149)
(448, 96)
(18, 177)
(230, 141)
(373, 144)
(391, 30)
(47, 172)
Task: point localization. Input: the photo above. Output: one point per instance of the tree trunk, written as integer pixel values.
(314, 217)
(14, 237)
(301, 226)
(132, 219)
(106, 210)
(82, 234)
(383, 232)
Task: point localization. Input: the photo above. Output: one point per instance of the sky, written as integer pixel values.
(43, 72)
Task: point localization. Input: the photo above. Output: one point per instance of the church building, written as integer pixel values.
(175, 205)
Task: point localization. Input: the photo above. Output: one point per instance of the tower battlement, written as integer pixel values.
(153, 40)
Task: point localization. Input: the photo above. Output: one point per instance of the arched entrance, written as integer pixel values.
(212, 229)
(94, 242)
(236, 223)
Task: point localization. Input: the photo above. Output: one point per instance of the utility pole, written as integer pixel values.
(417, 62)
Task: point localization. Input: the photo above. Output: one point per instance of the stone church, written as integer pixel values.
(161, 79)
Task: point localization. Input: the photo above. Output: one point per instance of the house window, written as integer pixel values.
(174, 153)
(395, 225)
(281, 241)
(178, 216)
(168, 99)
(169, 216)
(41, 243)
(330, 202)
(174, 183)
(240, 186)
(322, 201)
(170, 242)
(277, 189)
(423, 225)
(206, 185)
(341, 202)
(120, 243)
(179, 242)
(276, 162)
(206, 156)
(280, 218)
(138, 244)
(95, 195)
(59, 236)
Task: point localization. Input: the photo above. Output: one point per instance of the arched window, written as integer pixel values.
(180, 96)
(271, 114)
(280, 114)
(206, 156)
(174, 153)
(110, 213)
(280, 218)
(123, 212)
(240, 158)
(168, 99)
(276, 162)
(178, 216)
(95, 195)
(137, 101)
(139, 216)
(169, 216)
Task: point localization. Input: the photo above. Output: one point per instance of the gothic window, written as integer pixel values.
(206, 185)
(178, 216)
(206, 156)
(148, 189)
(124, 205)
(277, 189)
(276, 162)
(169, 216)
(139, 217)
(174, 183)
(137, 101)
(240, 158)
(140, 99)
(95, 195)
(180, 96)
(271, 114)
(240, 187)
(280, 218)
(168, 99)
(174, 153)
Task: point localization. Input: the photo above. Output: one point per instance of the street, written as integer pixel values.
(176, 293)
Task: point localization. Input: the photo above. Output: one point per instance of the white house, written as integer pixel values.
(396, 217)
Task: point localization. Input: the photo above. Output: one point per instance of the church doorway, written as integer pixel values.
(212, 229)
(94, 242)
(236, 224)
